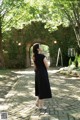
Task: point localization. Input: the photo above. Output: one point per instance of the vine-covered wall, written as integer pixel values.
(16, 41)
(65, 39)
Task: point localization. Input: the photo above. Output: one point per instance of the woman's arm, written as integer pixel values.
(46, 63)
(34, 66)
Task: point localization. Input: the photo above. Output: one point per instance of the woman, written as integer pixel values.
(42, 85)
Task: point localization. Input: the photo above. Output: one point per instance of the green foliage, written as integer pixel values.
(70, 62)
(14, 52)
(79, 59)
(54, 13)
(76, 60)
(70, 12)
(34, 31)
(41, 19)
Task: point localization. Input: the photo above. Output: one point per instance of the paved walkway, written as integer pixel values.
(18, 99)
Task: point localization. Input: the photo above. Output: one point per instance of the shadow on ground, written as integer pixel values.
(17, 92)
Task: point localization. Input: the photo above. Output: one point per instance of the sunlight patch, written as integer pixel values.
(24, 72)
(4, 107)
(1, 76)
(54, 88)
(76, 96)
(2, 99)
(53, 71)
(10, 94)
(21, 94)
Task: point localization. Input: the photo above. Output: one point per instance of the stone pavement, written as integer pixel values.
(19, 100)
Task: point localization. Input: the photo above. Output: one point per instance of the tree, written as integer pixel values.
(11, 12)
(14, 14)
(1, 52)
(70, 11)
(54, 12)
(57, 12)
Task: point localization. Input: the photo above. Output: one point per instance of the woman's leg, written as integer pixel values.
(37, 102)
(41, 103)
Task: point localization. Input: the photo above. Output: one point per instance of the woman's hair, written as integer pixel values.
(35, 48)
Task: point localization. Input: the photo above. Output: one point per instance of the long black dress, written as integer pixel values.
(42, 85)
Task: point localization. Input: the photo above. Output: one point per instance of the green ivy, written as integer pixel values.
(36, 30)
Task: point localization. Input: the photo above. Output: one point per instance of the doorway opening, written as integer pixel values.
(45, 51)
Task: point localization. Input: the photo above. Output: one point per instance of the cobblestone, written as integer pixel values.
(19, 100)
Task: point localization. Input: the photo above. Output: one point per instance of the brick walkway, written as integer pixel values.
(19, 102)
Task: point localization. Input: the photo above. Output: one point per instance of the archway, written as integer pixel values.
(45, 51)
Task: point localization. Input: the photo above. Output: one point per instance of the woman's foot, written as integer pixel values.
(40, 104)
(37, 104)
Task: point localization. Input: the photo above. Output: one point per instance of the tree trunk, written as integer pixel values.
(28, 63)
(77, 34)
(1, 52)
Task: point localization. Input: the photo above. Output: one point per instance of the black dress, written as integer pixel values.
(42, 85)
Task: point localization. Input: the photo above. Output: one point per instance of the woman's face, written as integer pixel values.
(39, 50)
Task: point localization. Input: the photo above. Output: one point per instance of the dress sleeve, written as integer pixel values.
(43, 56)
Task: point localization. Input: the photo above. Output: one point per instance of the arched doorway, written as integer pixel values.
(45, 51)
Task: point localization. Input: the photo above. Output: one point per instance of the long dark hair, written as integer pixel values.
(35, 48)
